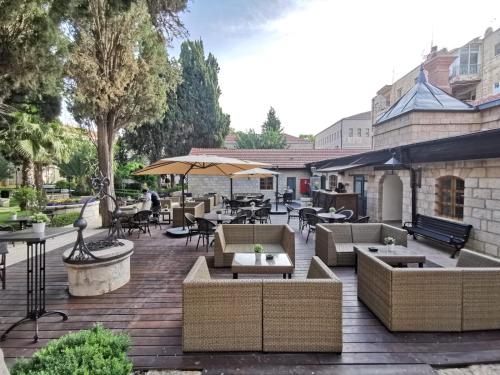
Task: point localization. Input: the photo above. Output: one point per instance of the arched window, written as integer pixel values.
(450, 197)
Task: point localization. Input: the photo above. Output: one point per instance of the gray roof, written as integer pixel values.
(424, 97)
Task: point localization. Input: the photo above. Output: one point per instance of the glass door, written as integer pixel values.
(360, 188)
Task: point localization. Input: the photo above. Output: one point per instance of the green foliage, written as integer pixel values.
(134, 193)
(258, 248)
(272, 122)
(124, 171)
(7, 169)
(40, 218)
(94, 351)
(33, 49)
(29, 199)
(82, 162)
(62, 220)
(307, 137)
(62, 184)
(272, 136)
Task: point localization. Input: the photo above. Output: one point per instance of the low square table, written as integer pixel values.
(257, 263)
(397, 256)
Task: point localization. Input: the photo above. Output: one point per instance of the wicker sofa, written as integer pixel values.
(335, 242)
(195, 208)
(240, 238)
(271, 315)
(461, 298)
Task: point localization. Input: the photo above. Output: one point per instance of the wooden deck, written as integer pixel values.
(149, 309)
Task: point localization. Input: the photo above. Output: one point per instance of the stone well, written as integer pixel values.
(97, 277)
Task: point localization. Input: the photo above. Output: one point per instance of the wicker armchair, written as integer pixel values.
(220, 315)
(335, 242)
(303, 315)
(240, 238)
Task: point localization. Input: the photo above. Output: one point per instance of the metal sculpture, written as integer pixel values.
(82, 251)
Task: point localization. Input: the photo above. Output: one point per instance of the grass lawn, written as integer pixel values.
(5, 212)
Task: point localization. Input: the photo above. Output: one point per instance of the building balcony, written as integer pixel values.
(465, 74)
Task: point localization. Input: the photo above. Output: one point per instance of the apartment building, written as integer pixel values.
(354, 132)
(470, 73)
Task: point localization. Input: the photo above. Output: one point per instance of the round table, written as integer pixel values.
(332, 218)
(215, 217)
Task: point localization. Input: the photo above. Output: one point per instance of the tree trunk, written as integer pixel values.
(105, 158)
(38, 168)
(27, 173)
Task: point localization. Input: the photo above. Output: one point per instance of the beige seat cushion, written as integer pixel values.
(238, 248)
(366, 233)
(238, 234)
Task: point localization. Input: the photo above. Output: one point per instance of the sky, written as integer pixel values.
(318, 61)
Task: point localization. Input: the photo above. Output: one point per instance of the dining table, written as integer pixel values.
(331, 217)
(23, 221)
(218, 218)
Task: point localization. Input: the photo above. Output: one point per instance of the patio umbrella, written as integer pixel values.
(254, 173)
(211, 165)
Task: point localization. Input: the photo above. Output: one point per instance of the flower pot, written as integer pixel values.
(13, 217)
(38, 227)
(257, 257)
(390, 247)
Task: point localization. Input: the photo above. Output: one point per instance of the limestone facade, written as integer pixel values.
(350, 132)
(199, 184)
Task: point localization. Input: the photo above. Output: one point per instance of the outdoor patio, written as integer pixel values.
(149, 309)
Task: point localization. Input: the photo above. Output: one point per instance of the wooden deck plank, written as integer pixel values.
(149, 308)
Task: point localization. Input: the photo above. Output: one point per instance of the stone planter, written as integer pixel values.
(97, 277)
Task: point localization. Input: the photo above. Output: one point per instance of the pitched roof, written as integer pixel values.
(423, 97)
(282, 158)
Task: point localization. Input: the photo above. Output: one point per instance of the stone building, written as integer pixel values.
(350, 132)
(470, 73)
(292, 142)
(291, 164)
(448, 155)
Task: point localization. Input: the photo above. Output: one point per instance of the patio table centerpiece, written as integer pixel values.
(38, 221)
(390, 242)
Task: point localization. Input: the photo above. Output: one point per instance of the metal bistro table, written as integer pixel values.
(213, 217)
(23, 221)
(332, 218)
(35, 274)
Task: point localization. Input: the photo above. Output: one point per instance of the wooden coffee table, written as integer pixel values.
(257, 263)
(398, 256)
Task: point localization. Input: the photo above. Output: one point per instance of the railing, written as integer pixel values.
(459, 72)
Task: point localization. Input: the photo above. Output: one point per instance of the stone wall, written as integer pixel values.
(481, 196)
(199, 185)
(490, 66)
(421, 126)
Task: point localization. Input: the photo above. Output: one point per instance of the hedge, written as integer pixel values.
(62, 220)
(94, 351)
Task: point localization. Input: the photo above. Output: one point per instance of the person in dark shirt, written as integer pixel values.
(155, 200)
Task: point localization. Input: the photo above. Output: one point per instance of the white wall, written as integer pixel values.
(392, 198)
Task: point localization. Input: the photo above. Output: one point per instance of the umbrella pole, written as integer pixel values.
(231, 190)
(277, 177)
(183, 203)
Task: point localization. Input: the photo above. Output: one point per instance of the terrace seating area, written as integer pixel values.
(184, 309)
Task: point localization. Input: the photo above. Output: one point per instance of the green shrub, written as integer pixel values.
(62, 184)
(64, 219)
(94, 351)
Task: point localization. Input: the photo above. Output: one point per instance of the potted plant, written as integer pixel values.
(39, 220)
(332, 210)
(258, 249)
(12, 215)
(390, 242)
(219, 214)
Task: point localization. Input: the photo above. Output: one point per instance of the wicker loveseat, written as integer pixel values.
(271, 315)
(335, 242)
(240, 238)
(461, 298)
(195, 208)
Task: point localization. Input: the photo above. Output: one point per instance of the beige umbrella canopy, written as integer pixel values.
(255, 173)
(211, 165)
(199, 164)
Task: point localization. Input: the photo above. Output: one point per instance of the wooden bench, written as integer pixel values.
(448, 232)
